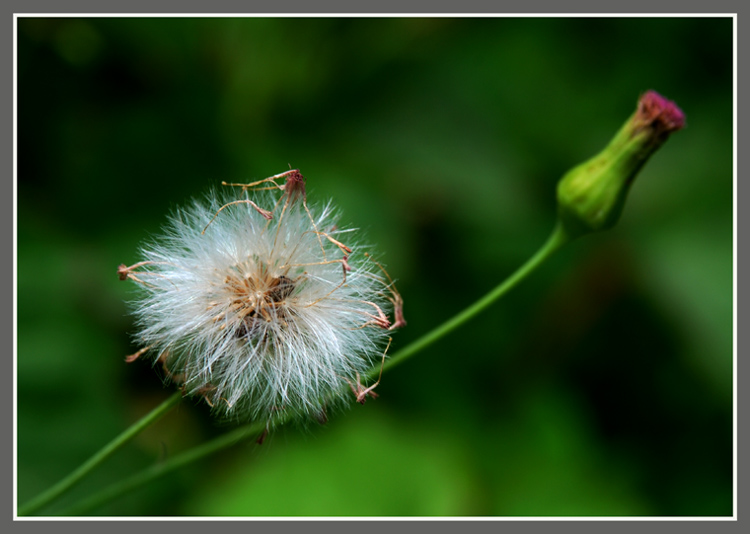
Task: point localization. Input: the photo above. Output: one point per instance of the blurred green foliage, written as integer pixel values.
(602, 386)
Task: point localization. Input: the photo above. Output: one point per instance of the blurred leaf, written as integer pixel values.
(364, 466)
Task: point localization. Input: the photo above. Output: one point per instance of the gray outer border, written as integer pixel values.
(346, 7)
(384, 7)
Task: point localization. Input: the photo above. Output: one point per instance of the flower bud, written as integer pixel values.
(590, 196)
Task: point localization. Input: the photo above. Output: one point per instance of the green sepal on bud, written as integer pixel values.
(590, 197)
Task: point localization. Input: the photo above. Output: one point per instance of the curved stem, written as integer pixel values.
(115, 490)
(68, 482)
(557, 239)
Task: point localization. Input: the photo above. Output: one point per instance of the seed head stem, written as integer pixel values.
(73, 478)
(155, 471)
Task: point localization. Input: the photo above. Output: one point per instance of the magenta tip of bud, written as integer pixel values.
(657, 110)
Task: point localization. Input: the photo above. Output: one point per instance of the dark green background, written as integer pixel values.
(601, 386)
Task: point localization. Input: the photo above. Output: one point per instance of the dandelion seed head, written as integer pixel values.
(261, 315)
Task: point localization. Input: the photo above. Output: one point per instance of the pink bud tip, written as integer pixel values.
(662, 114)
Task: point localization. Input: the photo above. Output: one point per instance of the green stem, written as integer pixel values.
(557, 239)
(157, 470)
(68, 482)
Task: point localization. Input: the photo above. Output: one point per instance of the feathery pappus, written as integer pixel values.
(262, 303)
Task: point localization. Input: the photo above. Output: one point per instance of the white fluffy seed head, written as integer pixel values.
(259, 316)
